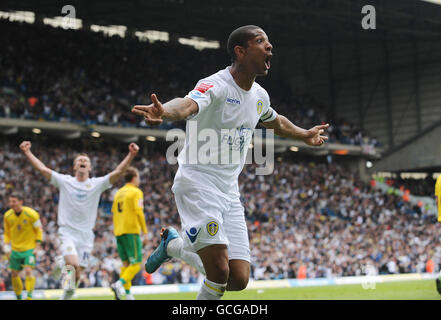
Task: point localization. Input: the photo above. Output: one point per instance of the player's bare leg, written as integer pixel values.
(17, 284)
(239, 275)
(72, 260)
(215, 260)
(222, 274)
(29, 282)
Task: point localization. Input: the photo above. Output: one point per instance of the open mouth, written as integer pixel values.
(82, 166)
(267, 62)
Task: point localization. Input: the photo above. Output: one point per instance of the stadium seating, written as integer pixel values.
(311, 216)
(83, 77)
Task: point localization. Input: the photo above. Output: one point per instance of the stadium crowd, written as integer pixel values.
(83, 77)
(313, 216)
(417, 187)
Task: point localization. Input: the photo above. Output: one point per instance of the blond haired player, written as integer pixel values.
(23, 232)
(128, 221)
(77, 208)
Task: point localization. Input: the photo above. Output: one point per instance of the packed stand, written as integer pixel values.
(316, 216)
(87, 78)
(417, 187)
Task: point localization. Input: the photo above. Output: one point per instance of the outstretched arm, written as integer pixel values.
(174, 110)
(25, 146)
(116, 174)
(285, 128)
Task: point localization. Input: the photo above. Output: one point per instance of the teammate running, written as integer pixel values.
(230, 103)
(77, 208)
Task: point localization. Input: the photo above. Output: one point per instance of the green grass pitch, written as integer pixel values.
(409, 290)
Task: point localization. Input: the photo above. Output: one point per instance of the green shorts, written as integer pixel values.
(129, 248)
(18, 259)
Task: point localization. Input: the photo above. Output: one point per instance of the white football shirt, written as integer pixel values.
(78, 203)
(218, 136)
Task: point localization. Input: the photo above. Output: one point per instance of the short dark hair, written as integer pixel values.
(240, 37)
(17, 195)
(130, 173)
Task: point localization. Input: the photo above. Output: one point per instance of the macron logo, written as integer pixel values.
(193, 234)
(233, 101)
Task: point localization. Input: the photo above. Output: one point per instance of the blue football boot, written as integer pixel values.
(159, 256)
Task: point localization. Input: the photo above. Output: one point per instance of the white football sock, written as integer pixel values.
(211, 290)
(68, 294)
(175, 249)
(59, 264)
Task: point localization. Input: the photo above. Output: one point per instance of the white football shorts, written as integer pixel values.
(74, 242)
(207, 218)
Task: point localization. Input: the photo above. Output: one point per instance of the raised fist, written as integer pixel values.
(133, 148)
(25, 146)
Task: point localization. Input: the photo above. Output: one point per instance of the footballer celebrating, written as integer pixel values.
(23, 234)
(77, 207)
(128, 222)
(207, 195)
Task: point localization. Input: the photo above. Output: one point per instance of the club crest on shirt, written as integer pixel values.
(259, 106)
(212, 228)
(25, 221)
(88, 186)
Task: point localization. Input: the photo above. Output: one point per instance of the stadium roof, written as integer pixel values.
(286, 21)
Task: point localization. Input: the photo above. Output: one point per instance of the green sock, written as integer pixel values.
(123, 281)
(19, 297)
(127, 291)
